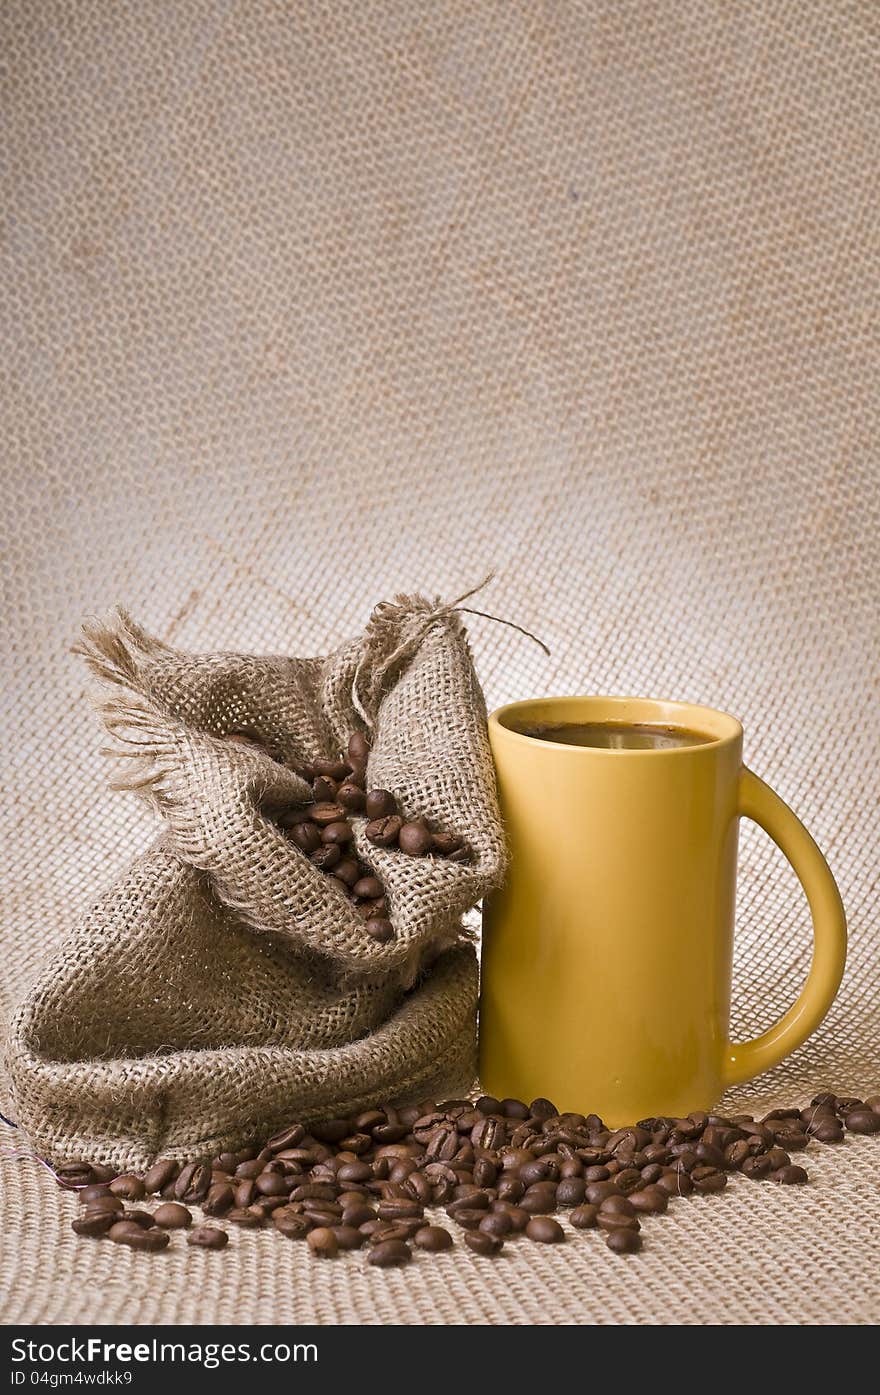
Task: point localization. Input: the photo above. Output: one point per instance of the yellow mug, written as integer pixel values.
(606, 961)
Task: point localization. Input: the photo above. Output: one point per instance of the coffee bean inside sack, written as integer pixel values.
(458, 1175)
(323, 828)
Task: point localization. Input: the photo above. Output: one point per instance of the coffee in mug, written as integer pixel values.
(616, 736)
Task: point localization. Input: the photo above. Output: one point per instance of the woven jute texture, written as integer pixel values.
(275, 1002)
(306, 305)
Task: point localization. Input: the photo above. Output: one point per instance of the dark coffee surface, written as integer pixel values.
(617, 736)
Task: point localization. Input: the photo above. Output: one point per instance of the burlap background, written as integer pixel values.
(307, 303)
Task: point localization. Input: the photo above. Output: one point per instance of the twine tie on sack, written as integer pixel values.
(410, 645)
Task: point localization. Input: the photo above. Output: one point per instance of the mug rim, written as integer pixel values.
(720, 728)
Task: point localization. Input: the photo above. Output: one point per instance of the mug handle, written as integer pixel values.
(746, 1059)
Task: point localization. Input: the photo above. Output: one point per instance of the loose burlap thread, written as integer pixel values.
(309, 304)
(224, 985)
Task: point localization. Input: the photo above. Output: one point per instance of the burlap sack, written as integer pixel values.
(225, 984)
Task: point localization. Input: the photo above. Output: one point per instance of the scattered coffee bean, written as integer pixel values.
(150, 1240)
(468, 1218)
(399, 1210)
(172, 1216)
(651, 1200)
(863, 1121)
(142, 1218)
(538, 1171)
(97, 1191)
(483, 1244)
(129, 1187)
(792, 1175)
(136, 1237)
(313, 1191)
(469, 1198)
(108, 1203)
(160, 1174)
(539, 1199)
(208, 1237)
(545, 1230)
(596, 1192)
(244, 1192)
(433, 1237)
(518, 1218)
(323, 1243)
(514, 1109)
(777, 1157)
(795, 1140)
(95, 1222)
(220, 1199)
(75, 1174)
(293, 1226)
(616, 1205)
(487, 1104)
(489, 1134)
(623, 1242)
(121, 1230)
(248, 1170)
(499, 1167)
(245, 1217)
(584, 1217)
(392, 1230)
(193, 1182)
(348, 1237)
(497, 1223)
(596, 1174)
(271, 1184)
(323, 1215)
(847, 1104)
(612, 1220)
(708, 1179)
(827, 1130)
(756, 1168)
(570, 1191)
(389, 1253)
(734, 1154)
(358, 1214)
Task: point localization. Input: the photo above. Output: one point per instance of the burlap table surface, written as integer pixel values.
(307, 304)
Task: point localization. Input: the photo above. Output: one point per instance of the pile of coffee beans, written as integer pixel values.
(323, 831)
(498, 1168)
